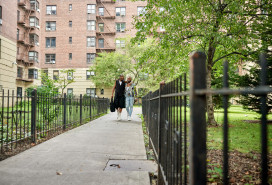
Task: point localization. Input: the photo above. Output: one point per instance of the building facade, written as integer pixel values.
(73, 32)
(56, 35)
(8, 45)
(28, 44)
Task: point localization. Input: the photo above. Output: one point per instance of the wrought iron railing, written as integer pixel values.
(33, 117)
(165, 114)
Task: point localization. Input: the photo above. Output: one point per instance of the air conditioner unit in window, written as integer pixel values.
(38, 10)
(122, 30)
(38, 44)
(48, 29)
(53, 61)
(123, 14)
(49, 13)
(38, 27)
(1, 22)
(89, 11)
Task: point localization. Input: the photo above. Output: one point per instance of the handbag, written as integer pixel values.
(112, 106)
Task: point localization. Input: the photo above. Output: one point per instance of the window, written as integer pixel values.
(101, 11)
(102, 91)
(45, 72)
(33, 56)
(90, 92)
(90, 41)
(34, 39)
(18, 15)
(18, 34)
(70, 75)
(50, 42)
(91, 25)
(51, 9)
(70, 91)
(70, 23)
(32, 73)
(50, 26)
(55, 74)
(140, 10)
(34, 22)
(120, 27)
(44, 76)
(120, 43)
(50, 58)
(34, 5)
(101, 43)
(70, 7)
(1, 12)
(19, 72)
(120, 11)
(19, 91)
(90, 57)
(101, 27)
(89, 74)
(70, 56)
(91, 9)
(70, 40)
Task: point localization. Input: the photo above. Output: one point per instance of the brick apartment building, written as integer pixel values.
(8, 45)
(53, 35)
(28, 44)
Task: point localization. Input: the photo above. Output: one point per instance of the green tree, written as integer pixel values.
(126, 61)
(48, 85)
(66, 78)
(252, 79)
(223, 29)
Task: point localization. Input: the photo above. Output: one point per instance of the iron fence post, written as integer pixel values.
(160, 177)
(33, 115)
(148, 119)
(225, 127)
(90, 108)
(64, 111)
(197, 151)
(2, 121)
(80, 109)
(103, 103)
(264, 145)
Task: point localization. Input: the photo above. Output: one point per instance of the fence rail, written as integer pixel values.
(165, 114)
(33, 117)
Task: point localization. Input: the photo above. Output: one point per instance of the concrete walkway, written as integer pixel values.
(80, 156)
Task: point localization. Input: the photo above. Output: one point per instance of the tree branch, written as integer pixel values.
(232, 53)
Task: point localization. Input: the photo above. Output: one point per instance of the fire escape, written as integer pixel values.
(24, 38)
(106, 31)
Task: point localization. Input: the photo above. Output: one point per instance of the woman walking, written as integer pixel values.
(119, 98)
(130, 92)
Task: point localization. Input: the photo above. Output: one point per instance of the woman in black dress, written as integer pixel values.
(119, 98)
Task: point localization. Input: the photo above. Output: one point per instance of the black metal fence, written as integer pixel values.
(33, 117)
(165, 114)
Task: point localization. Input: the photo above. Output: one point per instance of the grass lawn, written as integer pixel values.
(243, 136)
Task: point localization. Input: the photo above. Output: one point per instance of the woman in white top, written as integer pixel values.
(129, 97)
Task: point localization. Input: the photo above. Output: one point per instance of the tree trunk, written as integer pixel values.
(209, 99)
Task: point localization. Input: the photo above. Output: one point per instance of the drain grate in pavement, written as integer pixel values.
(131, 165)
